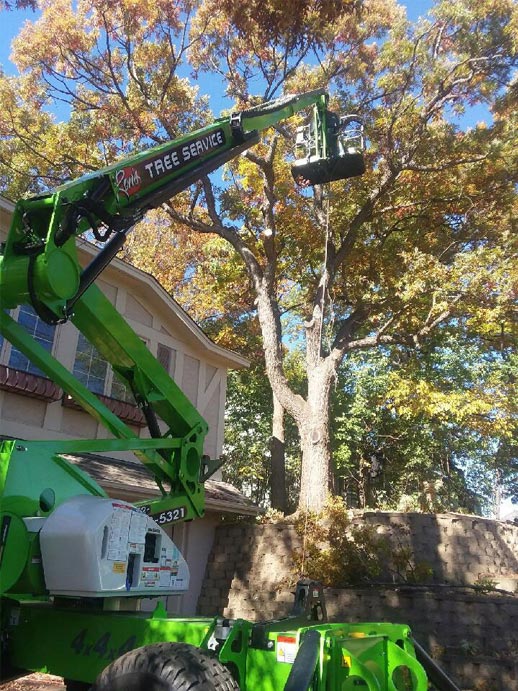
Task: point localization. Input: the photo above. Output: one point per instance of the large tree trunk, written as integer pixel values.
(277, 450)
(314, 479)
(314, 434)
(311, 414)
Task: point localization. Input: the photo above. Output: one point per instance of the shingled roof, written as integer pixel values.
(116, 475)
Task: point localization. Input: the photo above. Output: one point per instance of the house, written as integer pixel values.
(33, 407)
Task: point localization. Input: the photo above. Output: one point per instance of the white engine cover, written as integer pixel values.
(98, 547)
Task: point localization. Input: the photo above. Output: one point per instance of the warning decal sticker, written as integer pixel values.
(286, 649)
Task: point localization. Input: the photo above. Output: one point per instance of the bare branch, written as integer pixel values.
(211, 202)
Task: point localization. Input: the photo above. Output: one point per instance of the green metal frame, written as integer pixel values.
(373, 653)
(172, 458)
(380, 655)
(83, 642)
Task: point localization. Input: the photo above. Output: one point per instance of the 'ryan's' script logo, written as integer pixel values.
(128, 181)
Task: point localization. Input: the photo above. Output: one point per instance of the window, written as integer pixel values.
(166, 357)
(96, 374)
(41, 332)
(121, 391)
(89, 367)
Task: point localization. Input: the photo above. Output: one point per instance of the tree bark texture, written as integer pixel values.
(314, 433)
(277, 449)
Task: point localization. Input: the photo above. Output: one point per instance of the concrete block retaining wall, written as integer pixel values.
(474, 636)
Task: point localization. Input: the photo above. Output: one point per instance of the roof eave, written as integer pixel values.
(229, 507)
(210, 504)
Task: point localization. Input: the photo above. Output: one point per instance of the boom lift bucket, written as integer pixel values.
(331, 148)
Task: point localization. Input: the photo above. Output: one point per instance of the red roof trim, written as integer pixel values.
(28, 384)
(125, 411)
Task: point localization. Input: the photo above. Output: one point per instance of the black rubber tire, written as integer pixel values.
(71, 685)
(166, 667)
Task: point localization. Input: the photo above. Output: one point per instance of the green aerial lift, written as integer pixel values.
(74, 563)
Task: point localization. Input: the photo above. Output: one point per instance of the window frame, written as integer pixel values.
(7, 349)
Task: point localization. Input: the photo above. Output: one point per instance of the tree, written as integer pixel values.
(18, 4)
(423, 240)
(389, 266)
(428, 430)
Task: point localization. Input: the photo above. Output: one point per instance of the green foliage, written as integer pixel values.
(430, 430)
(485, 584)
(339, 552)
(406, 568)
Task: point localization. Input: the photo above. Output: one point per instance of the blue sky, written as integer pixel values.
(11, 23)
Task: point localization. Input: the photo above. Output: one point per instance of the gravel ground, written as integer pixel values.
(34, 682)
(40, 682)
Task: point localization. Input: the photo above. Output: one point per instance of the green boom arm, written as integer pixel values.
(40, 267)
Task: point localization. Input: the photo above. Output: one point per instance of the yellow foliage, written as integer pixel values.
(340, 551)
